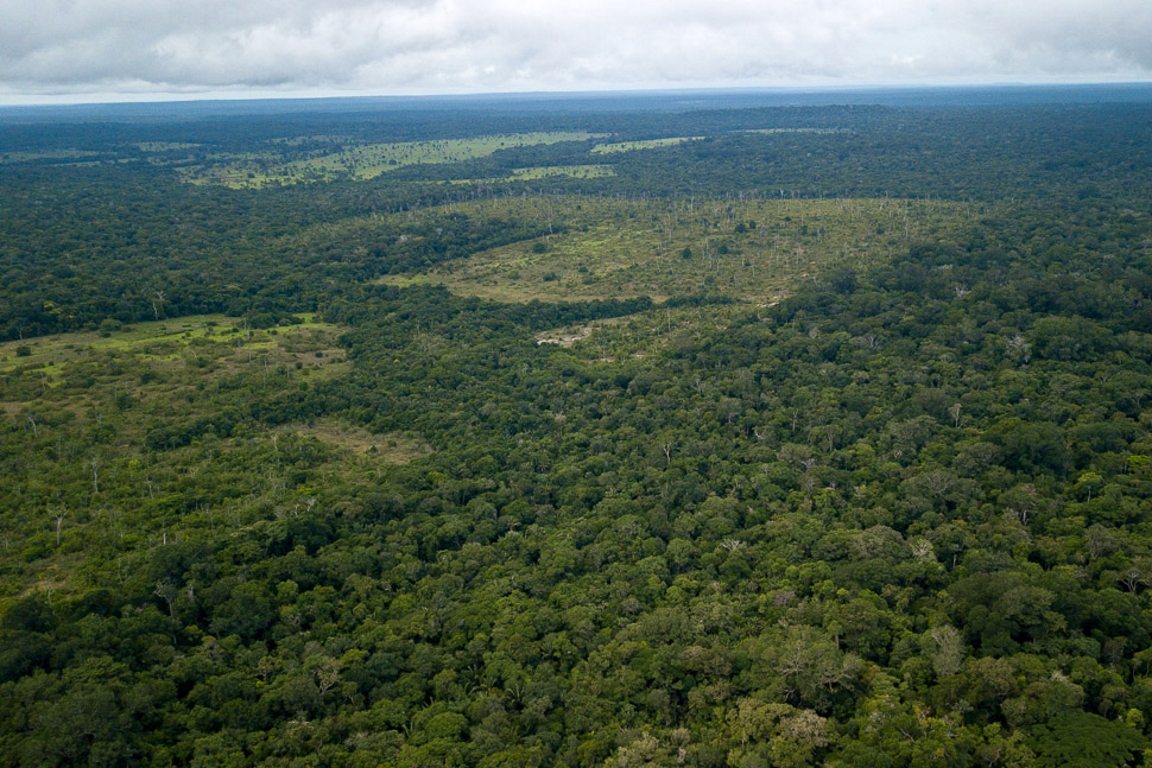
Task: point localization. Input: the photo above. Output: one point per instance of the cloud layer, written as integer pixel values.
(453, 46)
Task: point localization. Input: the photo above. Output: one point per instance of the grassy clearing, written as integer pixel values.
(571, 171)
(274, 167)
(48, 154)
(159, 340)
(750, 250)
(546, 172)
(770, 131)
(150, 366)
(111, 430)
(165, 146)
(637, 336)
(632, 146)
(388, 448)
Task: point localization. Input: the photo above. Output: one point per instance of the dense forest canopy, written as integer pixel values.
(787, 436)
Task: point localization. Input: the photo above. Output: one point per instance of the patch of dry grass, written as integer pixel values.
(391, 448)
(750, 250)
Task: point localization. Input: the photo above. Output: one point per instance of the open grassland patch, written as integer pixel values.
(148, 368)
(570, 171)
(116, 428)
(770, 131)
(366, 161)
(749, 250)
(620, 147)
(170, 340)
(56, 155)
(644, 333)
(389, 448)
(536, 173)
(165, 146)
(632, 146)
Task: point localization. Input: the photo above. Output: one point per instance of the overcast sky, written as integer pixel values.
(95, 50)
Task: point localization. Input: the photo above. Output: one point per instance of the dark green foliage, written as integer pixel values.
(899, 519)
(1085, 740)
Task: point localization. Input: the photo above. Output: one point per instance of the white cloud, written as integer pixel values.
(430, 46)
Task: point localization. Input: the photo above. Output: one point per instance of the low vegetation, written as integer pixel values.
(357, 161)
(821, 439)
(750, 250)
(632, 146)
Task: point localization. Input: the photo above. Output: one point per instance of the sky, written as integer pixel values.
(55, 51)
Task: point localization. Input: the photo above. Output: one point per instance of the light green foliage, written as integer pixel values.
(632, 146)
(78, 157)
(164, 340)
(773, 131)
(870, 489)
(749, 249)
(91, 408)
(363, 161)
(571, 171)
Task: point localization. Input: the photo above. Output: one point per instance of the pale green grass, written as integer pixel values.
(363, 161)
(570, 171)
(48, 154)
(119, 387)
(391, 448)
(637, 336)
(797, 130)
(751, 250)
(164, 146)
(632, 146)
(160, 340)
(296, 141)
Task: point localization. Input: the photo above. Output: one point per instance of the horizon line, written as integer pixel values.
(64, 101)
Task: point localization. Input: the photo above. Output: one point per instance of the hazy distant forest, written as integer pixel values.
(501, 436)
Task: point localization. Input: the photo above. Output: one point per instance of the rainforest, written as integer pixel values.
(645, 431)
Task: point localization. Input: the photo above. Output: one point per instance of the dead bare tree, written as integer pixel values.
(58, 515)
(157, 303)
(94, 465)
(954, 412)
